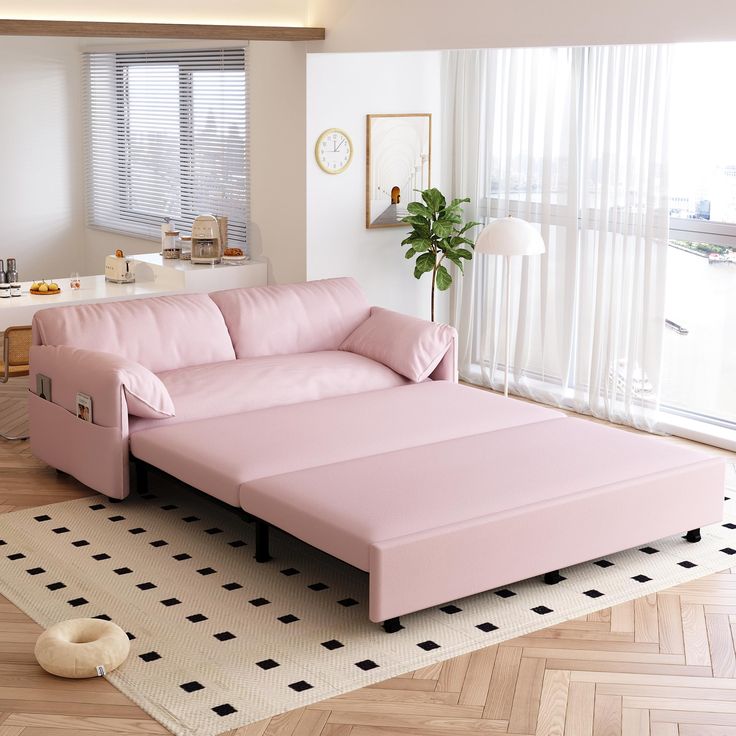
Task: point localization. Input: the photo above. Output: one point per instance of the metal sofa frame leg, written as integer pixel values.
(262, 550)
(693, 536)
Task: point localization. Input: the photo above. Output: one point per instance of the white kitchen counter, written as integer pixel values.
(19, 310)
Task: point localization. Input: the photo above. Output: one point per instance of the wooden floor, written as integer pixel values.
(663, 665)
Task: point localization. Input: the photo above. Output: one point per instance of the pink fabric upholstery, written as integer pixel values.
(412, 347)
(102, 376)
(237, 386)
(215, 456)
(161, 333)
(293, 318)
(416, 517)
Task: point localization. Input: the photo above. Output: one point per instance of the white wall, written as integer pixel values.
(41, 207)
(341, 90)
(387, 25)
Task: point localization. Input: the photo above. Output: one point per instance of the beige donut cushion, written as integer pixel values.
(78, 647)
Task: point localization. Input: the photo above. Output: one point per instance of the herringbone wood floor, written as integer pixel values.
(663, 665)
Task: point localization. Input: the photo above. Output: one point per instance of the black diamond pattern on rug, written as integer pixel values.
(225, 636)
(56, 586)
(192, 687)
(145, 586)
(232, 586)
(486, 627)
(604, 563)
(76, 602)
(648, 550)
(101, 556)
(332, 644)
(289, 618)
(541, 610)
(593, 593)
(318, 586)
(641, 578)
(150, 656)
(300, 686)
(168, 602)
(366, 665)
(347, 602)
(197, 618)
(224, 710)
(81, 543)
(207, 571)
(687, 564)
(505, 593)
(259, 602)
(267, 664)
(158, 543)
(428, 645)
(450, 609)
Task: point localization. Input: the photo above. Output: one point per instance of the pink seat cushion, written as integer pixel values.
(218, 455)
(412, 347)
(160, 333)
(233, 387)
(292, 318)
(348, 508)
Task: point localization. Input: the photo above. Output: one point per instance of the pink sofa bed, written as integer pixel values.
(165, 360)
(344, 426)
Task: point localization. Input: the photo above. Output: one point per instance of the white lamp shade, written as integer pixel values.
(509, 236)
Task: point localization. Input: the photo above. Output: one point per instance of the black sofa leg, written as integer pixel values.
(141, 477)
(693, 535)
(392, 625)
(262, 551)
(552, 578)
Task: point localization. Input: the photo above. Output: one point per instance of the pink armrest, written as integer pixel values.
(106, 377)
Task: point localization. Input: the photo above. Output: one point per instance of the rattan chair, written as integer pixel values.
(15, 359)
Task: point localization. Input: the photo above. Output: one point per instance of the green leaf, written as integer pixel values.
(414, 220)
(421, 245)
(467, 226)
(442, 228)
(455, 259)
(417, 208)
(434, 199)
(444, 280)
(458, 202)
(410, 254)
(425, 263)
(464, 253)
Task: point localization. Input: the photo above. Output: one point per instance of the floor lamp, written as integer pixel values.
(509, 236)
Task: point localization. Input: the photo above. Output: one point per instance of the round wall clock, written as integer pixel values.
(334, 151)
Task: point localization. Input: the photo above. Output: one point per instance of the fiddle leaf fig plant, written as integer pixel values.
(438, 233)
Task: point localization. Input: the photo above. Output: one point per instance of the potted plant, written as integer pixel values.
(437, 233)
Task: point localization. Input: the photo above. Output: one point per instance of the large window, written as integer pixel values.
(700, 352)
(167, 137)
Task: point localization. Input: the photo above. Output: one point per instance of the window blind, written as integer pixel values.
(167, 136)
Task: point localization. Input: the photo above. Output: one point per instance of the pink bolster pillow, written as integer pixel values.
(410, 346)
(93, 370)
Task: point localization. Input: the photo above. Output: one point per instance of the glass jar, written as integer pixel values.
(172, 244)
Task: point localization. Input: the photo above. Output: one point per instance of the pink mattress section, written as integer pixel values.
(219, 455)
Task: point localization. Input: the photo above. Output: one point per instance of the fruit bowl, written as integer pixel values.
(51, 289)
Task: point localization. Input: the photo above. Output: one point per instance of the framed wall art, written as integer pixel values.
(398, 164)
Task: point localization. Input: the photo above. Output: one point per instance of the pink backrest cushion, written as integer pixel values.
(293, 318)
(160, 333)
(410, 346)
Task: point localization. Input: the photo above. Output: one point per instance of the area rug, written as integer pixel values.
(219, 641)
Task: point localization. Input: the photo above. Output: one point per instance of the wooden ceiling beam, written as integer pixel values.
(105, 29)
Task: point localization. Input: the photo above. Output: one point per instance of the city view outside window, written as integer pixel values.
(699, 349)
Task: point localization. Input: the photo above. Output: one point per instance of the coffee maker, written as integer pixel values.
(206, 244)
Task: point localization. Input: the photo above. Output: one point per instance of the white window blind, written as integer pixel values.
(167, 136)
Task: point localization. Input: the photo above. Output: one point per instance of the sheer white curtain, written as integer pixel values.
(573, 139)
